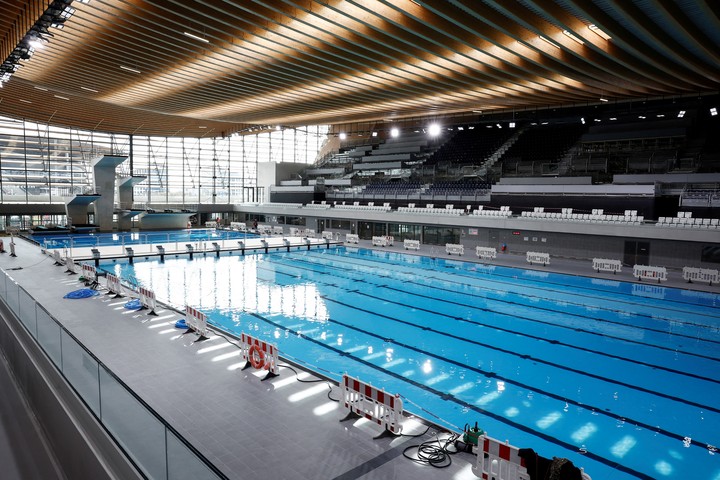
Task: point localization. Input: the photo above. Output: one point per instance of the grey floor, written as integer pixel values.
(277, 429)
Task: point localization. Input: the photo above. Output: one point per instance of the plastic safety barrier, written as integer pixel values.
(381, 241)
(607, 265)
(196, 321)
(239, 226)
(264, 229)
(309, 232)
(147, 300)
(89, 273)
(411, 244)
(499, 461)
(277, 230)
(327, 235)
(451, 248)
(352, 238)
(486, 253)
(259, 354)
(70, 265)
(692, 274)
(212, 224)
(362, 399)
(113, 285)
(646, 272)
(56, 256)
(538, 257)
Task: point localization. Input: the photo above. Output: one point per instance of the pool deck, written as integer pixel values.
(279, 428)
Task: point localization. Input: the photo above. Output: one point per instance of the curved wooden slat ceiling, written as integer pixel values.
(304, 62)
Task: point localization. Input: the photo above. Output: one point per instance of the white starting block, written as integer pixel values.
(486, 253)
(692, 274)
(352, 238)
(454, 248)
(196, 322)
(363, 400)
(646, 272)
(607, 265)
(538, 257)
(411, 244)
(260, 355)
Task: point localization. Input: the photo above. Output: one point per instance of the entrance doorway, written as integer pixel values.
(636, 253)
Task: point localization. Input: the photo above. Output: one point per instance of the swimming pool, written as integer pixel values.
(620, 378)
(136, 238)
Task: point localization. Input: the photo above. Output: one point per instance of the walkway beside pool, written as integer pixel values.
(279, 428)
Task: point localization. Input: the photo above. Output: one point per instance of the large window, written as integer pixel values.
(46, 164)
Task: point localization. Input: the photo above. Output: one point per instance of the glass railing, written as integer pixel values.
(151, 444)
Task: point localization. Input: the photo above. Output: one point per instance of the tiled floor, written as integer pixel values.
(279, 428)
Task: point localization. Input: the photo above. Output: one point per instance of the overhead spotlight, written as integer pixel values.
(471, 128)
(681, 113)
(278, 127)
(613, 118)
(498, 125)
(598, 120)
(582, 120)
(511, 125)
(713, 111)
(642, 117)
(461, 128)
(394, 132)
(374, 134)
(343, 136)
(603, 99)
(434, 130)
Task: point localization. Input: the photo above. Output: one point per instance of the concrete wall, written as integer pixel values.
(161, 221)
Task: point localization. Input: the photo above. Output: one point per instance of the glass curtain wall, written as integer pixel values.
(46, 164)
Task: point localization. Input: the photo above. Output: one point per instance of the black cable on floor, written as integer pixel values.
(436, 453)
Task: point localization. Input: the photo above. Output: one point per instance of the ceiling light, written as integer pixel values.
(599, 32)
(582, 120)
(89, 89)
(343, 136)
(713, 111)
(641, 117)
(660, 115)
(278, 127)
(573, 37)
(477, 111)
(681, 113)
(191, 35)
(41, 88)
(61, 98)
(471, 128)
(598, 120)
(394, 132)
(202, 126)
(498, 125)
(613, 118)
(461, 128)
(544, 123)
(511, 124)
(603, 99)
(26, 101)
(374, 134)
(550, 42)
(434, 130)
(130, 69)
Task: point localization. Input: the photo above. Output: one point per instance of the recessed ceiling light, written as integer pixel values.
(89, 89)
(191, 35)
(41, 88)
(61, 98)
(202, 126)
(130, 69)
(26, 101)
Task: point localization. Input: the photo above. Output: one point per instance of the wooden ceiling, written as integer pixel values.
(215, 67)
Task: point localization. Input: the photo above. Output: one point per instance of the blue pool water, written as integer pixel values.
(621, 378)
(135, 238)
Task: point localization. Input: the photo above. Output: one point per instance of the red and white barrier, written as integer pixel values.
(692, 274)
(89, 273)
(113, 285)
(499, 461)
(147, 300)
(196, 321)
(261, 355)
(647, 272)
(362, 399)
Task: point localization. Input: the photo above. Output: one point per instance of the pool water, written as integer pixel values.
(135, 238)
(621, 378)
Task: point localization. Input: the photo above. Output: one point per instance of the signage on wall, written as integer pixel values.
(472, 231)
